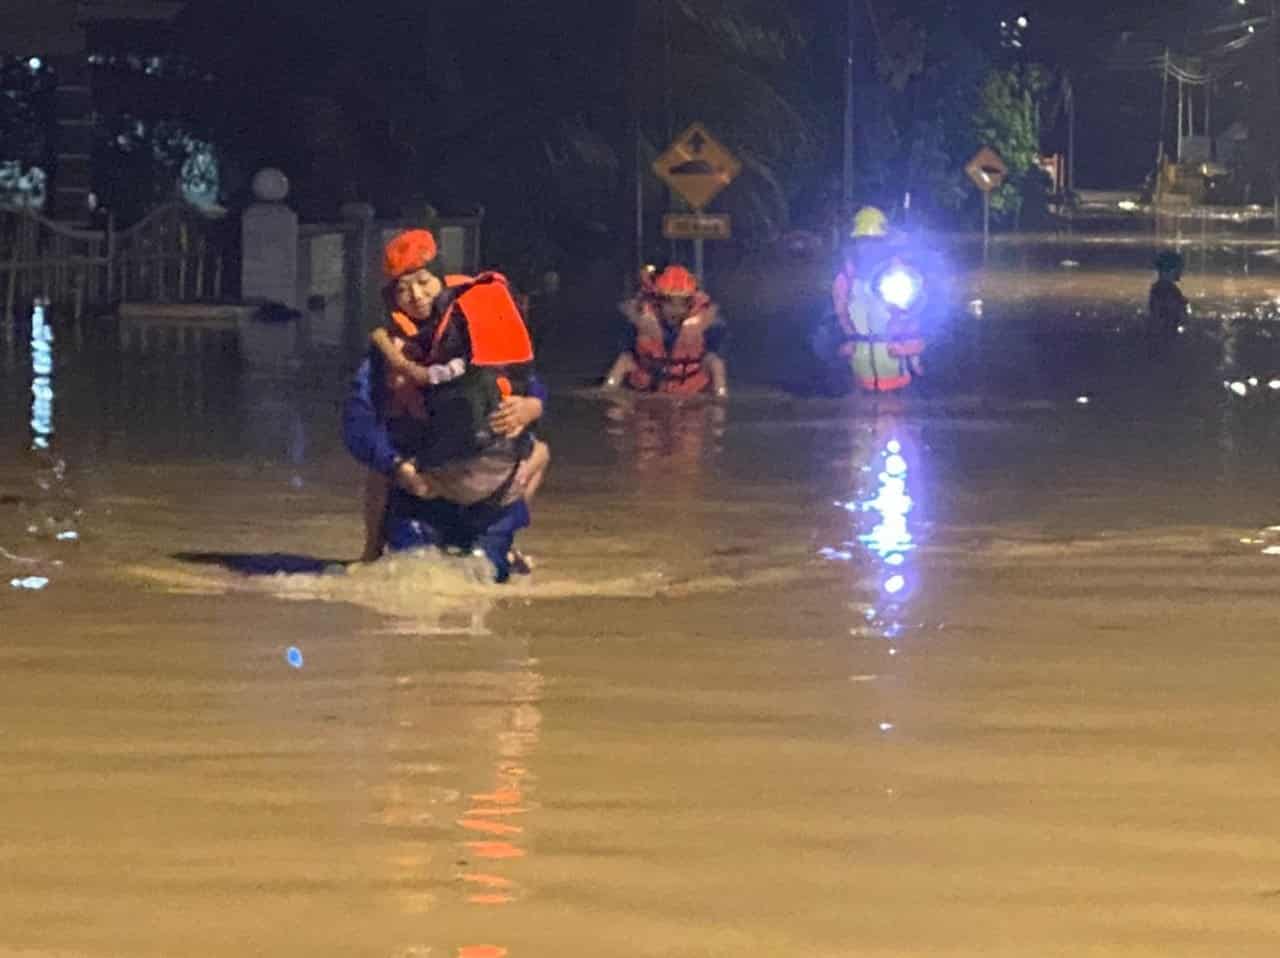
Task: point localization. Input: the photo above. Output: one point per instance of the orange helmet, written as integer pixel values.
(676, 281)
(407, 253)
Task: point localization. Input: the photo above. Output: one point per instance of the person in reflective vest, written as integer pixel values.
(674, 338)
(875, 297)
(442, 407)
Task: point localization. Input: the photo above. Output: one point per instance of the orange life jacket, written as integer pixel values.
(499, 337)
(680, 370)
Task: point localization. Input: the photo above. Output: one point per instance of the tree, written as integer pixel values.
(533, 115)
(26, 119)
(1008, 120)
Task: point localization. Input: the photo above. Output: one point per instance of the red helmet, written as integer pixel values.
(676, 281)
(408, 252)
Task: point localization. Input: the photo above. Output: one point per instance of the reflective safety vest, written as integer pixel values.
(884, 340)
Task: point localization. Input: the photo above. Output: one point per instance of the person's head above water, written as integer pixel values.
(676, 288)
(1169, 264)
(411, 286)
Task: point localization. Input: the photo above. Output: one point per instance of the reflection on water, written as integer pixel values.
(461, 747)
(657, 434)
(50, 515)
(41, 378)
(495, 818)
(885, 535)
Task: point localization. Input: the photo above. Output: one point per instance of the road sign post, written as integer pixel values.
(697, 167)
(986, 222)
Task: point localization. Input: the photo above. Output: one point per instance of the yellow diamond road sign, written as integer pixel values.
(697, 166)
(986, 169)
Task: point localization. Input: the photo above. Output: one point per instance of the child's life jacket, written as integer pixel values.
(483, 353)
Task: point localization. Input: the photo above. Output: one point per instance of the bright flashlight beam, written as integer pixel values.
(900, 287)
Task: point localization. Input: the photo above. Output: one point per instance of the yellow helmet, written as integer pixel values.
(869, 221)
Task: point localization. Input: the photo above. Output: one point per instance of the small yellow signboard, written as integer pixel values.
(714, 226)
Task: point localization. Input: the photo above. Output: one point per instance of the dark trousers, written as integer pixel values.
(414, 523)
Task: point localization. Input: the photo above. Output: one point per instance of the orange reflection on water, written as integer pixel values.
(489, 881)
(482, 951)
(488, 827)
(495, 850)
(666, 434)
(491, 813)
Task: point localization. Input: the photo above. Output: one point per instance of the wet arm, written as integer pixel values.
(393, 353)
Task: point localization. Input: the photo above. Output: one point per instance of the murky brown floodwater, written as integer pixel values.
(985, 671)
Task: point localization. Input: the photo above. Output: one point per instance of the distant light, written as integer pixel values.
(1253, 380)
(1082, 400)
(32, 582)
(1127, 205)
(294, 656)
(1023, 23)
(1239, 388)
(1251, 30)
(1274, 384)
(34, 64)
(886, 726)
(69, 536)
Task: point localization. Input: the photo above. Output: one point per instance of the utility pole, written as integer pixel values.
(1271, 134)
(1181, 114)
(1071, 137)
(1164, 106)
(633, 37)
(847, 184)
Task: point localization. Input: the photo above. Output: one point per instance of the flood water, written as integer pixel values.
(985, 670)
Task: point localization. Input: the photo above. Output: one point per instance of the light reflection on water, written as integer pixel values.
(41, 377)
(885, 515)
(664, 435)
(495, 712)
(50, 514)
